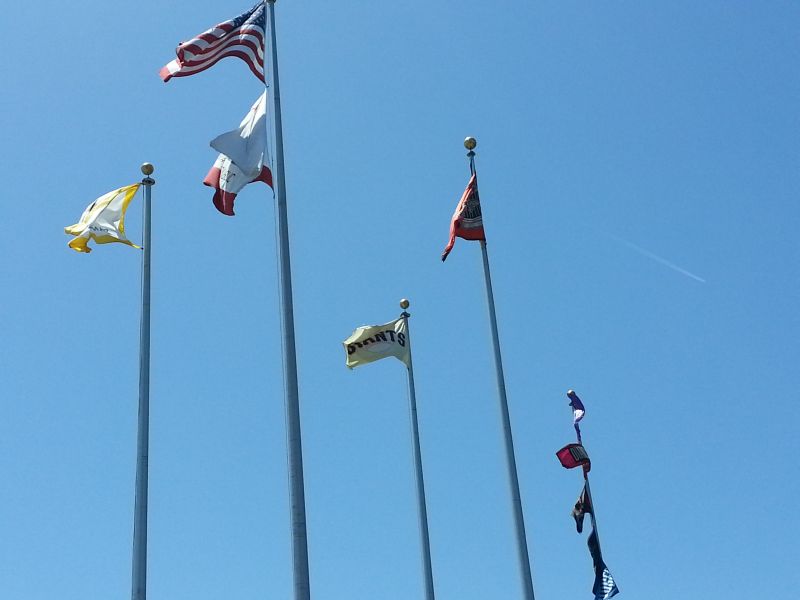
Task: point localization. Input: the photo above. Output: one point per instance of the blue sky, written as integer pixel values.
(610, 135)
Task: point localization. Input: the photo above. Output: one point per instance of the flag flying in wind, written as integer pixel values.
(574, 455)
(467, 221)
(577, 411)
(103, 220)
(604, 586)
(583, 507)
(242, 37)
(243, 158)
(571, 456)
(369, 343)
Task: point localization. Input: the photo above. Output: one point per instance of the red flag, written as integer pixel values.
(467, 221)
(574, 455)
(228, 180)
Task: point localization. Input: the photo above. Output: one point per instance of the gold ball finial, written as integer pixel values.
(470, 143)
(404, 303)
(148, 169)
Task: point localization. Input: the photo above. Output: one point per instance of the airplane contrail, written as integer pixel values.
(657, 258)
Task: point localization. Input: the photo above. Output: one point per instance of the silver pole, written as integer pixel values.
(139, 576)
(511, 462)
(294, 447)
(421, 504)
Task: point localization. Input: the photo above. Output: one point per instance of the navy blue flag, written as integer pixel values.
(582, 507)
(578, 411)
(604, 586)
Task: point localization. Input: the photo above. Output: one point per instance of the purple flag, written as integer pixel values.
(577, 411)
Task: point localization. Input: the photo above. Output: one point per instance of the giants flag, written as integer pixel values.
(467, 221)
(242, 37)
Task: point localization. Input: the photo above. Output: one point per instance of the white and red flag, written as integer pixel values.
(241, 37)
(467, 220)
(243, 158)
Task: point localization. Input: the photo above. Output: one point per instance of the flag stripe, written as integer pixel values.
(223, 198)
(201, 56)
(184, 70)
(206, 44)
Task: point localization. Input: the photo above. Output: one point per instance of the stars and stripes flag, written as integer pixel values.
(467, 220)
(242, 37)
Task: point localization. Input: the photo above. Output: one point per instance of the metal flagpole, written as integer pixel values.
(294, 447)
(423, 511)
(139, 576)
(519, 522)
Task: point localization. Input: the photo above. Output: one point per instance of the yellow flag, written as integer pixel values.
(103, 220)
(369, 343)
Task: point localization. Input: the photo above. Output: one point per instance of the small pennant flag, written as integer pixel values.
(467, 220)
(578, 411)
(574, 455)
(243, 157)
(374, 342)
(583, 506)
(241, 37)
(103, 220)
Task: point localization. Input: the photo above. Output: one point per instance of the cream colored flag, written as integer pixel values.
(103, 220)
(374, 342)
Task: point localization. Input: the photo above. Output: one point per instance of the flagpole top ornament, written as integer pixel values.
(404, 303)
(148, 168)
(470, 143)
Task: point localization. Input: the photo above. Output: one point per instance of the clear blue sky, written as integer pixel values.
(610, 135)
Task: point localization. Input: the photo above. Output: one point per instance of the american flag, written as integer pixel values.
(242, 37)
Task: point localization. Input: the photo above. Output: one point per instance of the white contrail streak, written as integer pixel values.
(657, 258)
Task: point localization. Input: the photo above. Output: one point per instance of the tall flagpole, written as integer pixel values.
(421, 504)
(519, 522)
(294, 447)
(139, 576)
